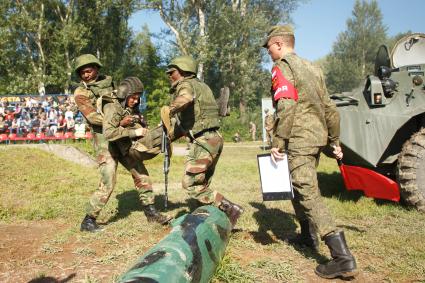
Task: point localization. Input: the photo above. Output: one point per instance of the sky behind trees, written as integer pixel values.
(318, 22)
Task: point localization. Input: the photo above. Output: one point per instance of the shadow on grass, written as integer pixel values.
(283, 227)
(129, 202)
(279, 223)
(49, 279)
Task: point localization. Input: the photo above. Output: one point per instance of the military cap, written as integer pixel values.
(278, 31)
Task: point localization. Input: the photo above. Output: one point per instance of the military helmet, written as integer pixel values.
(129, 86)
(84, 60)
(185, 63)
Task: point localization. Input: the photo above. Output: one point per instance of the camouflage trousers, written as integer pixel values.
(107, 166)
(200, 164)
(307, 202)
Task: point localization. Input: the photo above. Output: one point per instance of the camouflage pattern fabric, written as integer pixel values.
(107, 166)
(307, 202)
(303, 126)
(312, 120)
(200, 165)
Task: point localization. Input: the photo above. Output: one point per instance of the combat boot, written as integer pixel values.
(232, 210)
(89, 224)
(308, 236)
(154, 216)
(343, 263)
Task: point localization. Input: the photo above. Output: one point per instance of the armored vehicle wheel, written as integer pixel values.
(411, 171)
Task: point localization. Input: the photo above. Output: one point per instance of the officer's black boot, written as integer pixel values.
(232, 210)
(308, 236)
(343, 263)
(89, 224)
(154, 216)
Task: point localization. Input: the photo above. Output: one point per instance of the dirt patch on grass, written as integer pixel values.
(36, 252)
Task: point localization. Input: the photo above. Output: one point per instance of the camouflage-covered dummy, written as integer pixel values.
(121, 125)
(306, 121)
(194, 108)
(91, 87)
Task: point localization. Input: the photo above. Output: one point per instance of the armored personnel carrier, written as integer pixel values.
(383, 121)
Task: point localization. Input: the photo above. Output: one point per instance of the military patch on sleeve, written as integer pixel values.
(281, 87)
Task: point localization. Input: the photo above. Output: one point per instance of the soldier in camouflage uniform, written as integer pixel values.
(268, 125)
(92, 87)
(306, 121)
(121, 125)
(194, 107)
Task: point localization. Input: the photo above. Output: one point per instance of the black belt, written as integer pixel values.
(201, 133)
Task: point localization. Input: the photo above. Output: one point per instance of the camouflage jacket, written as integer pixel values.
(306, 116)
(113, 113)
(86, 95)
(194, 105)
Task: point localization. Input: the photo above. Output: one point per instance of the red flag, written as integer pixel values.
(373, 184)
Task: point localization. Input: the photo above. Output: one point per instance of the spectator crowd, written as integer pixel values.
(48, 115)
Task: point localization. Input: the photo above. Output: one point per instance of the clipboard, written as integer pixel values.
(275, 179)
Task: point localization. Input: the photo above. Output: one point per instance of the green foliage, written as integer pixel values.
(353, 54)
(233, 124)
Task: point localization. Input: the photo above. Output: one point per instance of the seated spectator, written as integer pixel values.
(61, 124)
(26, 125)
(35, 124)
(3, 125)
(70, 124)
(15, 126)
(53, 126)
(44, 124)
(80, 128)
(69, 113)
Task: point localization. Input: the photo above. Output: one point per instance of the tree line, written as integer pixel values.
(40, 39)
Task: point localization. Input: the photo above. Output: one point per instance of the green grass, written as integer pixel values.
(385, 237)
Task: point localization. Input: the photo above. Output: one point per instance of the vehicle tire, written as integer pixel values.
(411, 162)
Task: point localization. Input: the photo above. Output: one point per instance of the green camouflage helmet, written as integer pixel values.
(84, 60)
(185, 63)
(129, 86)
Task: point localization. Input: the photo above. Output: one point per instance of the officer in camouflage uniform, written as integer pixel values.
(122, 125)
(306, 121)
(194, 107)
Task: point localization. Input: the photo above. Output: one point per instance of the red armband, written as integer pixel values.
(281, 87)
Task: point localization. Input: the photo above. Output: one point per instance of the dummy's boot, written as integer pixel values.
(89, 224)
(308, 236)
(343, 263)
(232, 210)
(154, 216)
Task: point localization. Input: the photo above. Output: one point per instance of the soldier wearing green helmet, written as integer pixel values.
(122, 125)
(92, 86)
(194, 107)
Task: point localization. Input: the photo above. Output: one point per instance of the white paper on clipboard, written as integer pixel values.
(275, 178)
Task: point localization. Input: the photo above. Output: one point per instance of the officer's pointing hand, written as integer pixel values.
(141, 132)
(276, 154)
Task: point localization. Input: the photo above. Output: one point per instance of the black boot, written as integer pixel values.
(308, 236)
(89, 224)
(154, 216)
(232, 210)
(343, 263)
